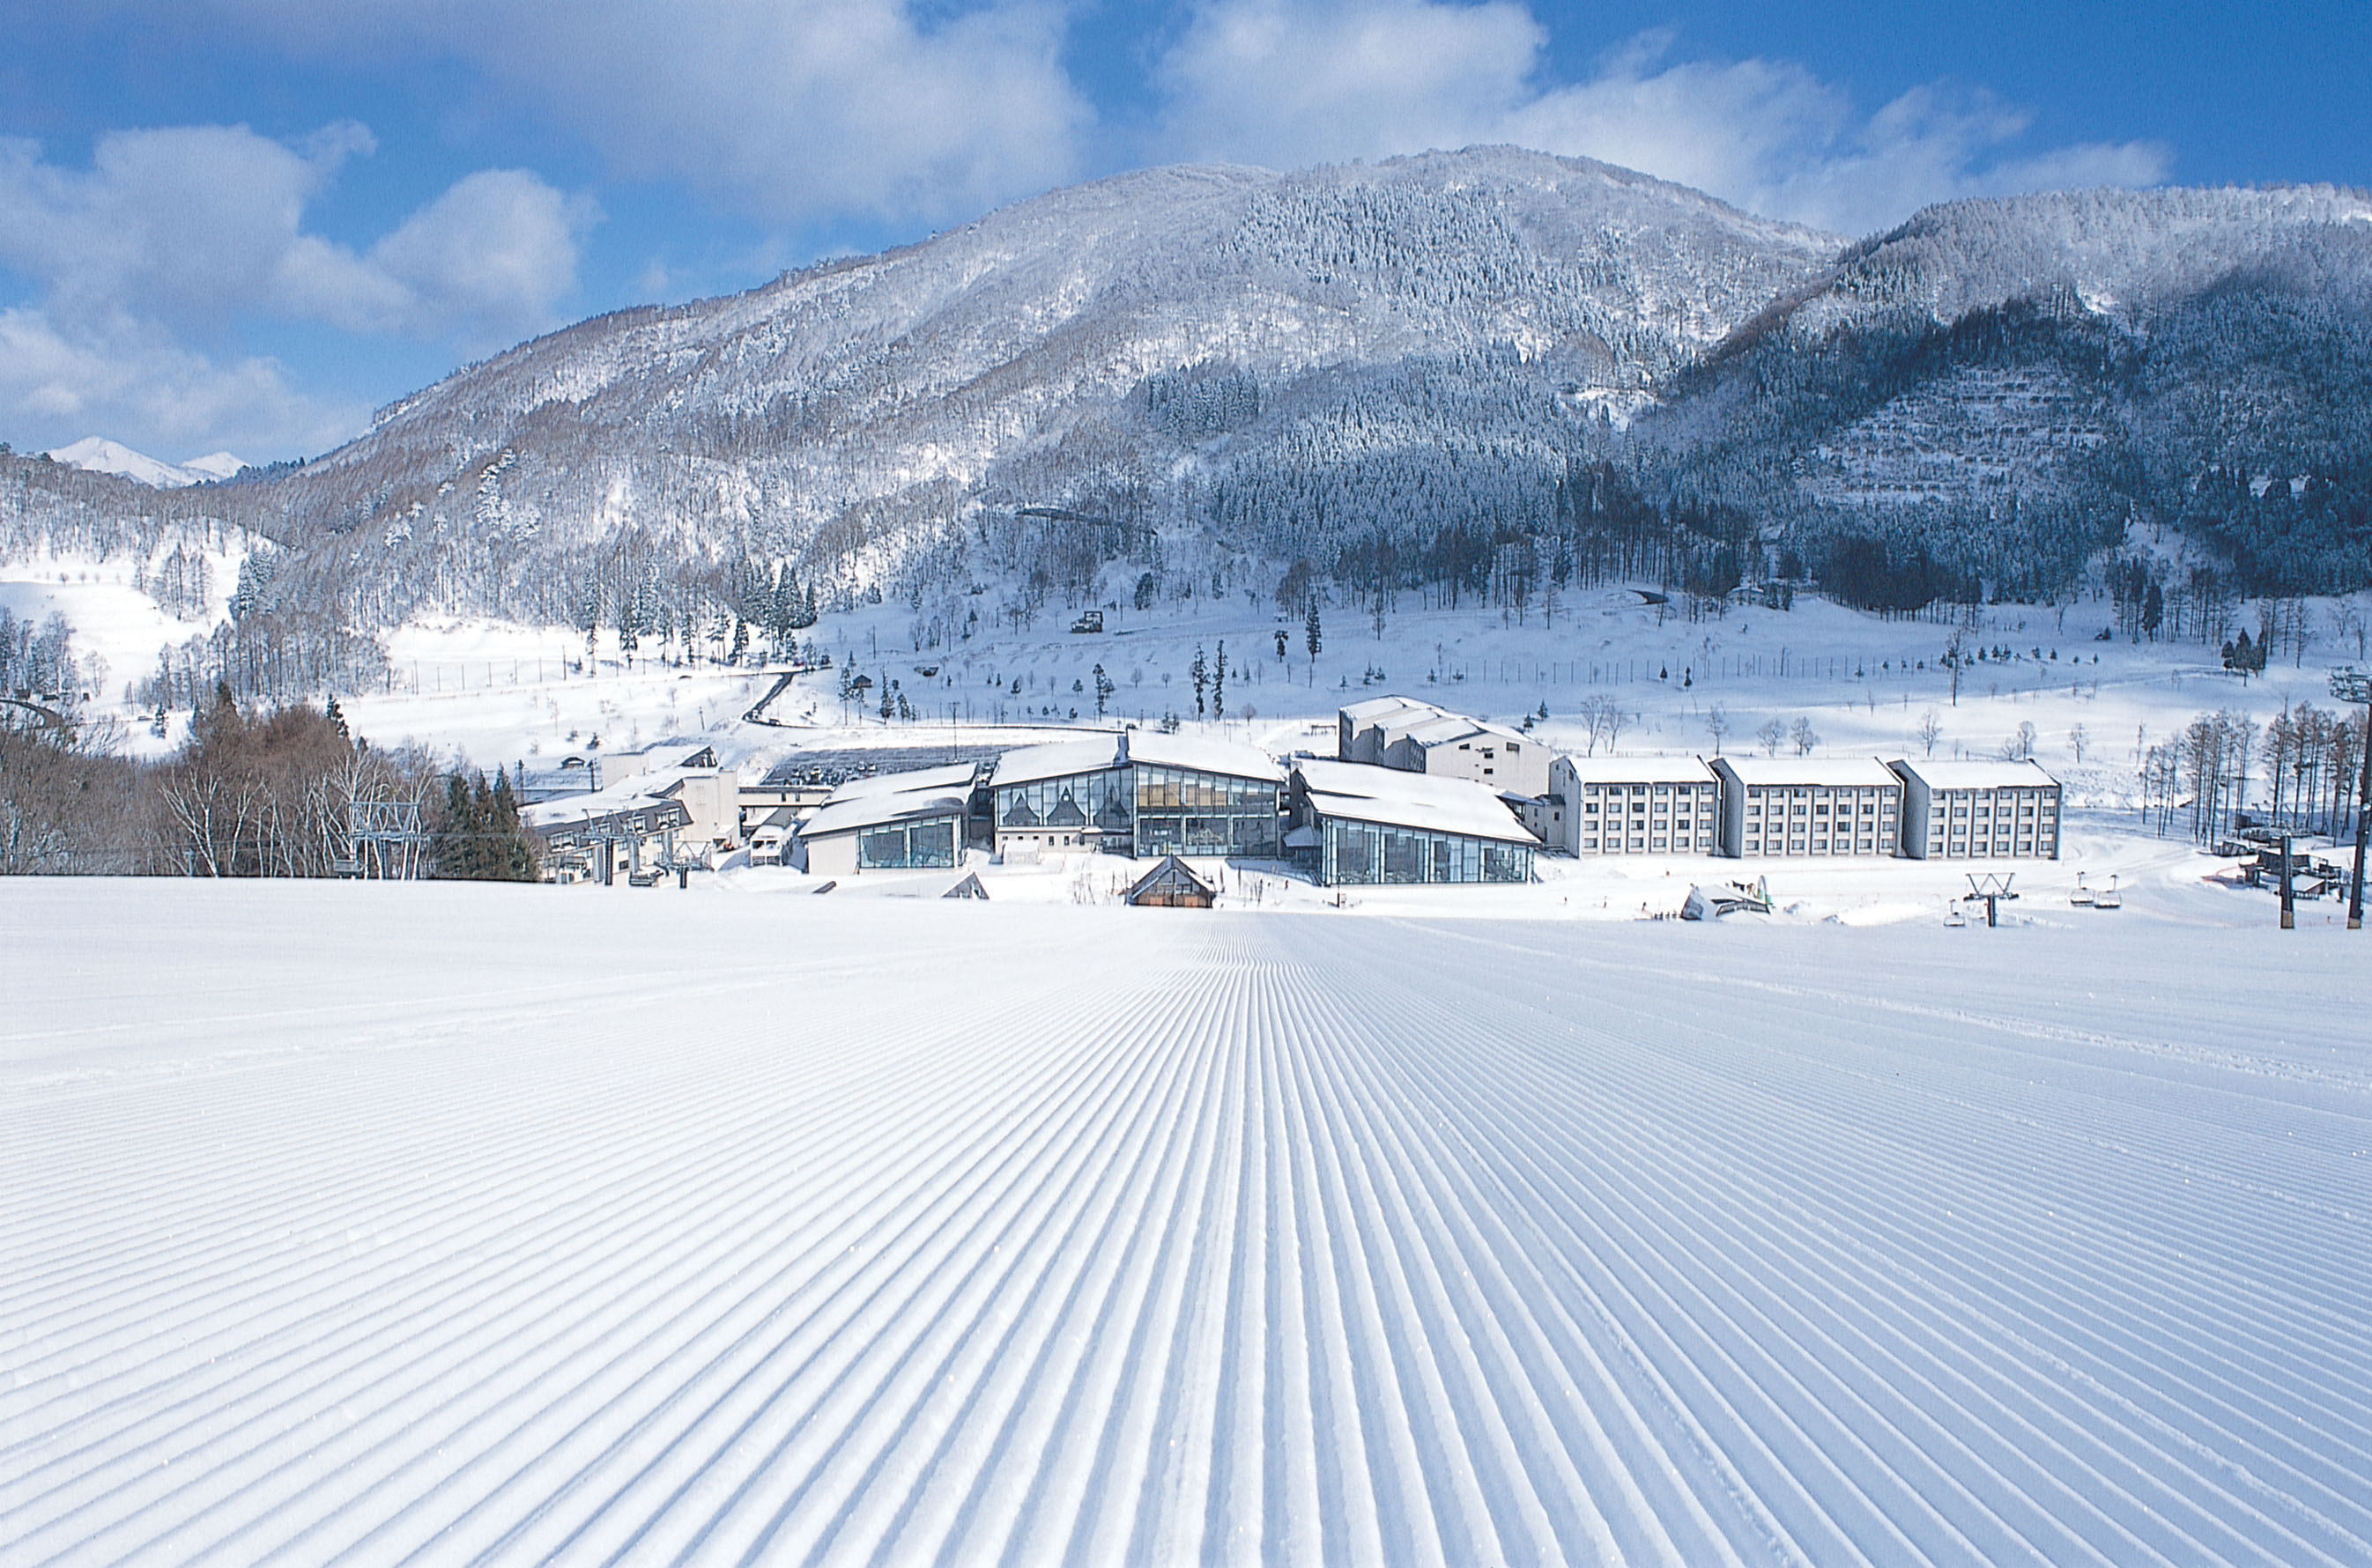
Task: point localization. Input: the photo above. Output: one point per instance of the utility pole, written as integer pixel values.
(2289, 907)
(2353, 685)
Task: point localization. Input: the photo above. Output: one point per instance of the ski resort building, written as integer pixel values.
(1808, 806)
(1140, 794)
(683, 772)
(1635, 805)
(891, 822)
(1978, 811)
(1068, 794)
(1418, 737)
(590, 835)
(1363, 824)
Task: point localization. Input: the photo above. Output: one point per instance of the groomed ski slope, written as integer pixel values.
(381, 1225)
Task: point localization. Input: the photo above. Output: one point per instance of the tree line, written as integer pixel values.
(252, 792)
(2202, 779)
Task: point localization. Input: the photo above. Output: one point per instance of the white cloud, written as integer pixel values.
(1287, 82)
(198, 226)
(494, 253)
(135, 382)
(792, 111)
(145, 266)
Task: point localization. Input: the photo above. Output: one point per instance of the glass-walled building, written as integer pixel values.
(1141, 794)
(1380, 826)
(918, 845)
(1070, 795)
(1201, 796)
(891, 823)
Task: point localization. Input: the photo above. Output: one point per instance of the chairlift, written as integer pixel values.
(2082, 897)
(1953, 917)
(2108, 898)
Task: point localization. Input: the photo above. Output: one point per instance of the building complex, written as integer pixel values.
(1419, 738)
(1806, 805)
(1633, 806)
(1978, 811)
(1415, 795)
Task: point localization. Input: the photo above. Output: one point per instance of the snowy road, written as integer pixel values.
(442, 1224)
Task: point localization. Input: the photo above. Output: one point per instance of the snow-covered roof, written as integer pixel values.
(952, 775)
(1201, 753)
(1638, 769)
(2025, 774)
(1057, 759)
(1452, 729)
(891, 798)
(570, 811)
(1363, 714)
(1360, 792)
(1817, 772)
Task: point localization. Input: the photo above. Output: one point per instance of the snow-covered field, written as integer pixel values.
(440, 1223)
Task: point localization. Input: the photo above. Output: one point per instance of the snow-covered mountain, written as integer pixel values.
(95, 454)
(1087, 349)
(1444, 371)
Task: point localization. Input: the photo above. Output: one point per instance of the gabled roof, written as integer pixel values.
(1172, 872)
(1360, 792)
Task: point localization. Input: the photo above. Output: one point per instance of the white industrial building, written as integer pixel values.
(1978, 811)
(1356, 823)
(888, 822)
(1419, 738)
(1808, 806)
(1631, 805)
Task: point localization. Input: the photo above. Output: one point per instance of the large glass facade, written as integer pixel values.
(928, 843)
(1182, 811)
(1097, 802)
(1366, 853)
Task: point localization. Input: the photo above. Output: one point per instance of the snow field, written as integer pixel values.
(456, 1223)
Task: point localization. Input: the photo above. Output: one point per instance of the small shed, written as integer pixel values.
(1172, 885)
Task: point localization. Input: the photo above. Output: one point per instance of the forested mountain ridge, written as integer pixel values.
(1449, 371)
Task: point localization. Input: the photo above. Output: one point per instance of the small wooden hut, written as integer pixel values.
(1172, 885)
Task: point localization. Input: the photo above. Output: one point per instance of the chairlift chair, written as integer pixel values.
(2082, 897)
(1953, 917)
(2108, 898)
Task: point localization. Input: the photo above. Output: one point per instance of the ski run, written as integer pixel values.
(449, 1224)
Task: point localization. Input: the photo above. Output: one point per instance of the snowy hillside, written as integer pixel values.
(1429, 378)
(535, 1228)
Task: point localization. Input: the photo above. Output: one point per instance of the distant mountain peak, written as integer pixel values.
(97, 453)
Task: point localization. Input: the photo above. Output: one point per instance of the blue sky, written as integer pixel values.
(243, 223)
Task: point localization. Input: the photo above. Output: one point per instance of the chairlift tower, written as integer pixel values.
(1994, 887)
(2352, 685)
(388, 841)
